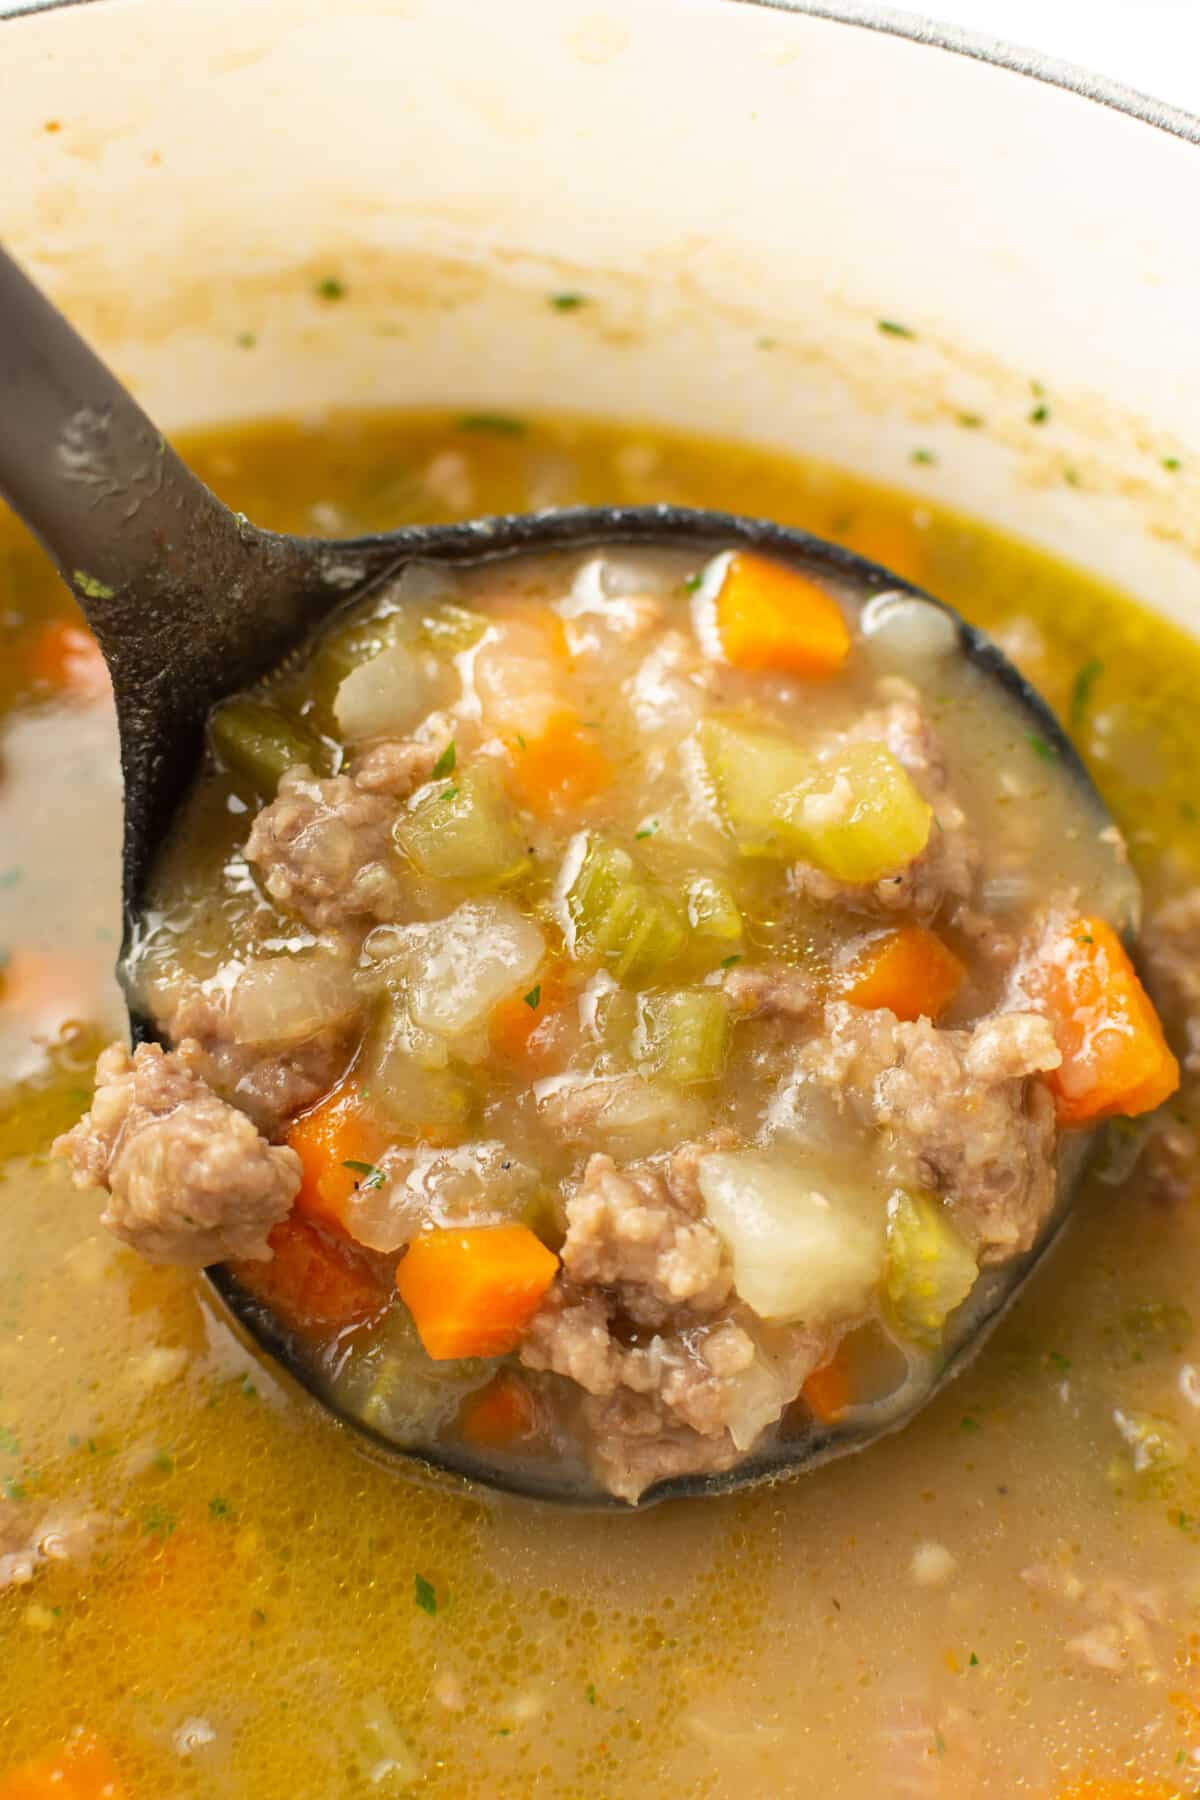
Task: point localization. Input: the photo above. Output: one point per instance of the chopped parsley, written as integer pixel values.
(13, 1490)
(521, 742)
(727, 962)
(446, 761)
(534, 997)
(502, 424)
(1039, 414)
(159, 1522)
(1059, 1361)
(970, 421)
(1171, 464)
(691, 583)
(424, 1595)
(450, 793)
(892, 328)
(246, 340)
(1081, 690)
(646, 830)
(972, 1661)
(369, 1176)
(331, 289)
(1041, 748)
(967, 1423)
(589, 1693)
(88, 584)
(1071, 476)
(9, 1445)
(926, 457)
(568, 302)
(10, 877)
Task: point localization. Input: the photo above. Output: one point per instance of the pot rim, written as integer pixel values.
(917, 28)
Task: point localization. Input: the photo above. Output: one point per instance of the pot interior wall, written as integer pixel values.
(290, 207)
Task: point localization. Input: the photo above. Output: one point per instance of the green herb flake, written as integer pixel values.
(1041, 748)
(939, 1743)
(691, 583)
(892, 328)
(972, 1661)
(1058, 1361)
(646, 830)
(164, 1462)
(1185, 1521)
(589, 1693)
(1072, 476)
(533, 998)
(727, 962)
(330, 289)
(500, 424)
(13, 1490)
(446, 761)
(766, 343)
(450, 793)
(246, 340)
(1036, 389)
(970, 421)
(10, 877)
(9, 1444)
(568, 302)
(424, 1595)
(925, 457)
(1081, 690)
(1039, 414)
(91, 587)
(248, 1388)
(219, 1507)
(369, 1176)
(967, 1423)
(521, 742)
(1172, 464)
(159, 1522)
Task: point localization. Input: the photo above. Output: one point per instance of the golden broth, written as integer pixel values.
(925, 1621)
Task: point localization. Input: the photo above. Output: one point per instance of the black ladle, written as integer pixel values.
(191, 603)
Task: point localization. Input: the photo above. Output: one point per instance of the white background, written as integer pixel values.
(1153, 45)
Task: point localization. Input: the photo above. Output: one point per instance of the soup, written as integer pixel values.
(220, 1587)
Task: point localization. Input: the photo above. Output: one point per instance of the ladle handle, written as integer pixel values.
(81, 463)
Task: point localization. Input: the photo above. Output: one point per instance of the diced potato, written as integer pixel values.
(930, 1268)
(615, 914)
(800, 1253)
(625, 1114)
(684, 1035)
(485, 951)
(712, 910)
(285, 999)
(462, 829)
(382, 697)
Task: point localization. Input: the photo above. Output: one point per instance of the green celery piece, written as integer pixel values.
(754, 773)
(684, 1035)
(450, 629)
(713, 911)
(461, 829)
(930, 1268)
(257, 743)
(619, 916)
(413, 1089)
(875, 821)
(346, 647)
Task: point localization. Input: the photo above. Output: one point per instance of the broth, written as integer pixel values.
(992, 1603)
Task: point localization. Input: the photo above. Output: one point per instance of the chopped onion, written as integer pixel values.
(286, 999)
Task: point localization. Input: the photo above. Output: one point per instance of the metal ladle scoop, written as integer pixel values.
(191, 603)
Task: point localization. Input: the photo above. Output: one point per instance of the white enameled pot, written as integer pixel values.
(743, 190)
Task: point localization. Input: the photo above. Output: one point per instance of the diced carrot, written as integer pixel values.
(910, 972)
(82, 1769)
(526, 1028)
(500, 1417)
(559, 770)
(473, 1292)
(895, 541)
(68, 658)
(318, 1279)
(827, 1391)
(330, 1139)
(771, 617)
(1115, 1058)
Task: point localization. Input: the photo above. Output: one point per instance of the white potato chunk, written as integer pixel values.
(477, 957)
(382, 697)
(800, 1252)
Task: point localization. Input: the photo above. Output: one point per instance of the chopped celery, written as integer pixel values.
(257, 743)
(347, 646)
(754, 773)
(854, 813)
(450, 629)
(930, 1268)
(684, 1035)
(462, 829)
(713, 911)
(397, 1389)
(861, 818)
(618, 915)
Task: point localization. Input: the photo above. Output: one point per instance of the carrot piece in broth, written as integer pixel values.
(910, 972)
(500, 1417)
(771, 617)
(472, 1292)
(82, 1769)
(560, 770)
(67, 658)
(318, 1279)
(330, 1139)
